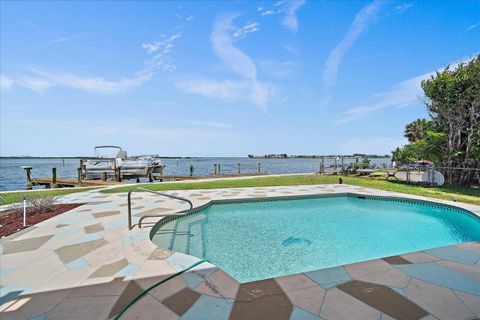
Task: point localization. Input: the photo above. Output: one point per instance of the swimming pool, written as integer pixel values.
(258, 240)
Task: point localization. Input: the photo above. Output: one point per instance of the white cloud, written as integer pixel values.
(158, 58)
(236, 59)
(290, 20)
(159, 51)
(292, 50)
(46, 80)
(268, 13)
(221, 90)
(473, 26)
(403, 94)
(69, 38)
(246, 29)
(286, 8)
(35, 84)
(248, 87)
(162, 44)
(5, 82)
(359, 25)
(402, 8)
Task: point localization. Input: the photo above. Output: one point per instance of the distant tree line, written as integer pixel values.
(451, 137)
(314, 156)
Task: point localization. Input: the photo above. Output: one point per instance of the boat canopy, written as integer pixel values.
(121, 153)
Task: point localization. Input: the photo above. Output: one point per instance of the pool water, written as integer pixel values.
(259, 240)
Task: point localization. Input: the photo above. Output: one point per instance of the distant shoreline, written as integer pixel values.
(314, 156)
(267, 156)
(80, 157)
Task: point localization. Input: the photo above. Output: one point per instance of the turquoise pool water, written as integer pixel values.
(259, 240)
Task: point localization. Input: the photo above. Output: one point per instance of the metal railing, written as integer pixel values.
(129, 198)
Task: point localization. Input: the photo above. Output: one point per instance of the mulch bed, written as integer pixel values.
(12, 222)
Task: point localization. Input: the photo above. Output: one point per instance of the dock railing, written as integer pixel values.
(129, 199)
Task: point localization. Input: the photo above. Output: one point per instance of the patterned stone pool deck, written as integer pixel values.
(85, 264)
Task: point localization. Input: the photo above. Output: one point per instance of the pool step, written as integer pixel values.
(181, 238)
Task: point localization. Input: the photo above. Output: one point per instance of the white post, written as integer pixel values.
(24, 212)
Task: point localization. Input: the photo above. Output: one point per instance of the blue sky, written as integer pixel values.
(222, 78)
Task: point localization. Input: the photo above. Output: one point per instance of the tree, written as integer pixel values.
(453, 102)
(417, 130)
(451, 139)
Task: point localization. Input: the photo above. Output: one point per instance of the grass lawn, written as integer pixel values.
(12, 197)
(466, 195)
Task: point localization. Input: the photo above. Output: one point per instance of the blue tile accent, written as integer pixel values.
(439, 275)
(68, 232)
(77, 219)
(40, 316)
(4, 272)
(399, 291)
(196, 275)
(330, 277)
(209, 308)
(88, 237)
(110, 205)
(80, 263)
(455, 254)
(129, 270)
(300, 314)
(11, 293)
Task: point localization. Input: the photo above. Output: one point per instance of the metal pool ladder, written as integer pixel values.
(130, 225)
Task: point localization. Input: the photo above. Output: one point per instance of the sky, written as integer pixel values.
(222, 78)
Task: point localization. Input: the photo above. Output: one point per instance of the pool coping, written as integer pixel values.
(139, 256)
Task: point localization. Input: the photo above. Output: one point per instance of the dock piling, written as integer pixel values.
(119, 174)
(54, 178)
(28, 171)
(81, 169)
(79, 176)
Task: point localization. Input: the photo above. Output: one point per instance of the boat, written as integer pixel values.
(129, 167)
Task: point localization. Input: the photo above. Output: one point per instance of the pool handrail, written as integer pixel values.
(129, 199)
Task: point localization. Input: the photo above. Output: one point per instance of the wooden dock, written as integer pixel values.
(50, 182)
(80, 181)
(65, 182)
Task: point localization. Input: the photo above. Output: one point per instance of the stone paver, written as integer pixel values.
(86, 264)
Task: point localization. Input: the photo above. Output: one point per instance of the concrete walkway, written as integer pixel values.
(86, 264)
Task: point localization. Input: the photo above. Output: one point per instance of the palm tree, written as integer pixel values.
(417, 130)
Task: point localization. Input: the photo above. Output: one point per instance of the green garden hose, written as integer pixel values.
(141, 294)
